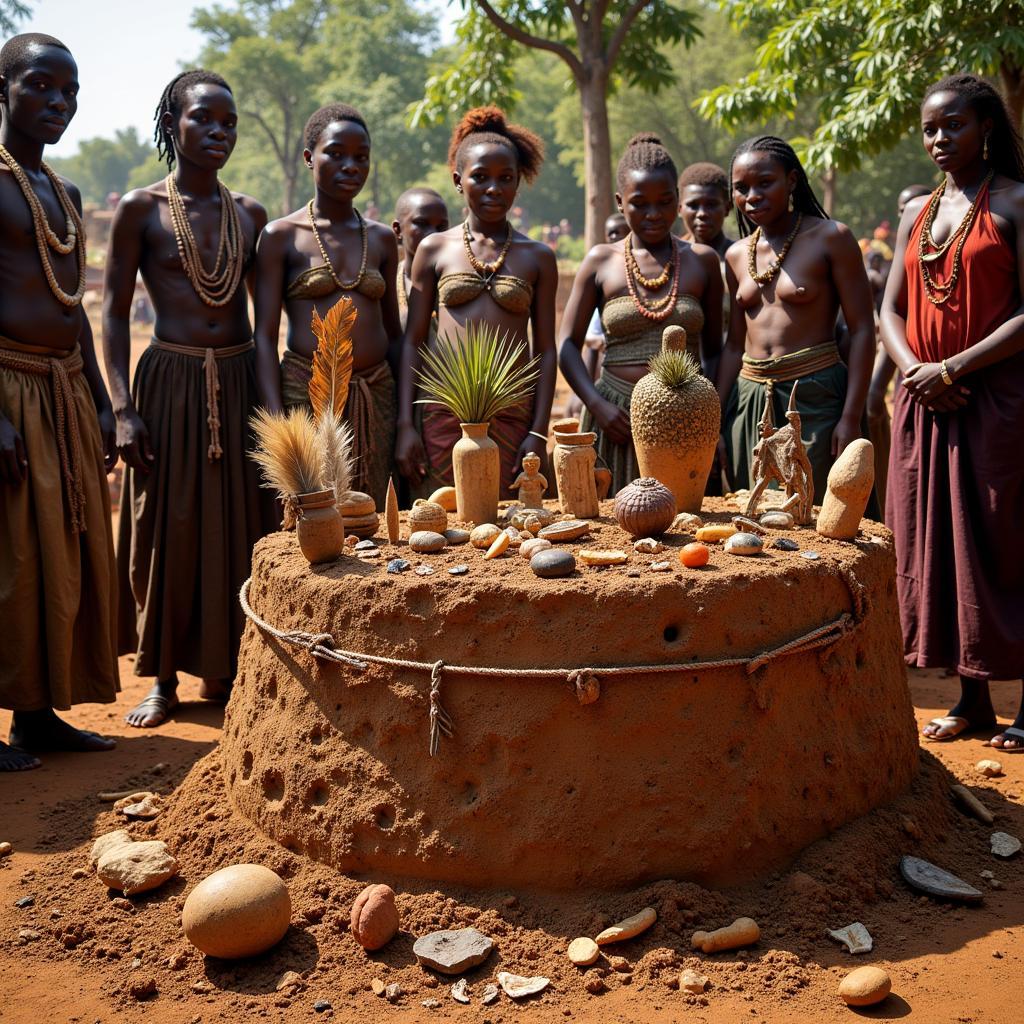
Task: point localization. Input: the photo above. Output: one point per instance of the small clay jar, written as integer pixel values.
(645, 508)
(574, 460)
(426, 515)
(319, 527)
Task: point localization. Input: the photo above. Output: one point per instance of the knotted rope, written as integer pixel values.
(585, 682)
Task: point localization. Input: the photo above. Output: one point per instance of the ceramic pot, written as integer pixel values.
(319, 526)
(477, 469)
(574, 461)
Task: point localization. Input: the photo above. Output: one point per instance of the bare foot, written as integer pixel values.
(155, 708)
(43, 730)
(14, 760)
(215, 689)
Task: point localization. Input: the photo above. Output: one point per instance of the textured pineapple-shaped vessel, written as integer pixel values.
(676, 418)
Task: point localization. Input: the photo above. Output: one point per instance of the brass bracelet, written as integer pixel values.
(538, 435)
(944, 374)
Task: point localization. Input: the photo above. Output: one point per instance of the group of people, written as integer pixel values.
(760, 314)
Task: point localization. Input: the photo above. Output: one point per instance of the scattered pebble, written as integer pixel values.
(140, 805)
(322, 1005)
(453, 951)
(122, 904)
(398, 565)
(865, 986)
(594, 983)
(990, 769)
(1004, 845)
(746, 525)
(777, 520)
(583, 951)
(368, 553)
(993, 882)
(855, 937)
(200, 987)
(571, 529)
(531, 547)
(620, 965)
(692, 982)
(288, 980)
(459, 993)
(365, 545)
(785, 544)
(458, 570)
(424, 570)
(79, 873)
(599, 558)
(374, 919)
(686, 522)
(141, 989)
(515, 986)
(553, 563)
(6, 849)
(490, 995)
(744, 544)
(426, 542)
(811, 556)
(27, 935)
(25, 901)
(393, 992)
(377, 987)
(499, 546)
(455, 536)
(430, 1004)
(648, 546)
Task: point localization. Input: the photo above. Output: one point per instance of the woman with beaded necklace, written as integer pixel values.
(788, 278)
(483, 270)
(642, 284)
(308, 260)
(58, 603)
(953, 322)
(192, 506)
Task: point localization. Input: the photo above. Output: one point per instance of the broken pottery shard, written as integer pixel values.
(453, 951)
(490, 995)
(629, 928)
(972, 804)
(136, 867)
(745, 525)
(934, 881)
(1005, 845)
(811, 556)
(515, 986)
(459, 993)
(364, 545)
(854, 937)
(458, 570)
(398, 565)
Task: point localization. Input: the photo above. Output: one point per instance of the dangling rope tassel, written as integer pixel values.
(214, 452)
(440, 720)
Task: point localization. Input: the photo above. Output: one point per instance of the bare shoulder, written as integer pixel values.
(543, 254)
(381, 234)
(433, 245)
(736, 252)
(134, 207)
(1008, 193)
(251, 206)
(707, 256)
(836, 236)
(73, 192)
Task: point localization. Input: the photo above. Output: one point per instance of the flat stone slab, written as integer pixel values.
(927, 878)
(1005, 845)
(453, 951)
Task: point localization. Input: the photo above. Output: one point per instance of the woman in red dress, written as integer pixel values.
(953, 322)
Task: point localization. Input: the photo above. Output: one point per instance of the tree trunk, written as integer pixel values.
(597, 155)
(290, 174)
(1011, 77)
(828, 199)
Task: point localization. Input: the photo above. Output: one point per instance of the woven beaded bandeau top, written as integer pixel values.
(318, 282)
(631, 339)
(511, 293)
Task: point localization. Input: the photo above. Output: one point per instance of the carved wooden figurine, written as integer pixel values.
(531, 483)
(780, 457)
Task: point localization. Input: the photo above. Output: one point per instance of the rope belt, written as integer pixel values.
(60, 366)
(209, 357)
(583, 681)
(791, 366)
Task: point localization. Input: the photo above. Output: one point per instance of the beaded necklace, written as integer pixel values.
(764, 276)
(46, 239)
(938, 294)
(485, 270)
(345, 286)
(215, 287)
(661, 308)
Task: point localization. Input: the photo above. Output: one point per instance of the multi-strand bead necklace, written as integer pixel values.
(215, 287)
(764, 276)
(46, 239)
(345, 286)
(661, 308)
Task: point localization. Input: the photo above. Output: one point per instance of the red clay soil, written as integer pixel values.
(948, 964)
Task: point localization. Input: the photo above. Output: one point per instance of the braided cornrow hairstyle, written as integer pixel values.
(804, 199)
(172, 100)
(489, 125)
(1005, 154)
(644, 152)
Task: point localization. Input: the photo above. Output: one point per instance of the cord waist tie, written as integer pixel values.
(209, 357)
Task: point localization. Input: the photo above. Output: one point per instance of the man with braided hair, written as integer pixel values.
(57, 588)
(192, 506)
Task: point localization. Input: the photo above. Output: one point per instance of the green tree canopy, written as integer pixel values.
(862, 66)
(11, 12)
(102, 166)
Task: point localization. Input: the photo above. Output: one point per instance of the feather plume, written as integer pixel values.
(287, 452)
(334, 441)
(332, 360)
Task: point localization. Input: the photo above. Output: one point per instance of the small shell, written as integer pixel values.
(517, 987)
(482, 536)
(687, 522)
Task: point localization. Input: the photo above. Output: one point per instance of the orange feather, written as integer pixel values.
(332, 360)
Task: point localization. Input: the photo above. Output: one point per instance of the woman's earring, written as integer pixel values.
(790, 202)
(984, 151)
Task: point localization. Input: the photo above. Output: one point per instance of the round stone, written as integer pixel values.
(583, 952)
(238, 911)
(744, 544)
(456, 536)
(777, 520)
(530, 547)
(553, 563)
(426, 542)
(374, 920)
(482, 536)
(865, 986)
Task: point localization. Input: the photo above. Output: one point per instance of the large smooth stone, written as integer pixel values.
(553, 563)
(426, 542)
(865, 986)
(453, 951)
(136, 867)
(107, 842)
(238, 911)
(1005, 845)
(744, 544)
(849, 487)
(935, 881)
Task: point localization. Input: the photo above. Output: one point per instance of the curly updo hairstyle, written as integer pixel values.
(489, 125)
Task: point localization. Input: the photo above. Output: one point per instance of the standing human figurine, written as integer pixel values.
(530, 483)
(780, 456)
(192, 505)
(308, 260)
(953, 323)
(58, 593)
(482, 271)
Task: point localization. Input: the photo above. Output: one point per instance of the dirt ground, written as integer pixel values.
(948, 964)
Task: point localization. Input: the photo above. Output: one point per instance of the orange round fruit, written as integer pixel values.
(694, 555)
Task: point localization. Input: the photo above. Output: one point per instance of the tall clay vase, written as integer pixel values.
(574, 470)
(319, 526)
(477, 469)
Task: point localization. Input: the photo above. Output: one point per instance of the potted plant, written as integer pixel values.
(475, 377)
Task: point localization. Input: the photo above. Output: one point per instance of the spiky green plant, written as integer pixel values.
(674, 368)
(477, 375)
